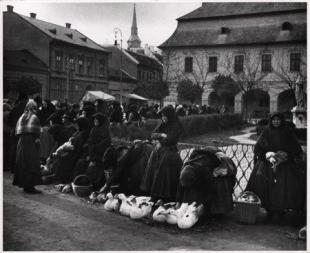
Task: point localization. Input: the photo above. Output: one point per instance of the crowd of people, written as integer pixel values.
(75, 140)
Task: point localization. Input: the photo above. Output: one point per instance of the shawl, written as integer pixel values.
(274, 139)
(28, 123)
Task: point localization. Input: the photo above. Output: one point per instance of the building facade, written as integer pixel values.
(18, 64)
(75, 63)
(261, 45)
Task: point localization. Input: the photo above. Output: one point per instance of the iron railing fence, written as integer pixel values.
(241, 154)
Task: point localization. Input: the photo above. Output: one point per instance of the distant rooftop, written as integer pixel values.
(217, 10)
(57, 32)
(237, 36)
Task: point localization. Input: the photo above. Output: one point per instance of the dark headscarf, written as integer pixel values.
(103, 120)
(169, 112)
(281, 116)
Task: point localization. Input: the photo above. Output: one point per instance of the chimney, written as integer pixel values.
(68, 25)
(10, 8)
(33, 15)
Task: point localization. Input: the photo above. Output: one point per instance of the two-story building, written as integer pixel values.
(75, 63)
(263, 44)
(136, 68)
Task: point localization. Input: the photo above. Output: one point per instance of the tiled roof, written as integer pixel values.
(145, 60)
(213, 10)
(22, 58)
(64, 34)
(111, 48)
(237, 36)
(114, 74)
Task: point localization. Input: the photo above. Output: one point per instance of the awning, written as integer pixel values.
(93, 95)
(134, 96)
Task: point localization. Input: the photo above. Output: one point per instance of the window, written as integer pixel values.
(89, 65)
(72, 62)
(295, 62)
(213, 64)
(266, 63)
(225, 30)
(239, 60)
(101, 67)
(286, 26)
(81, 64)
(59, 60)
(188, 64)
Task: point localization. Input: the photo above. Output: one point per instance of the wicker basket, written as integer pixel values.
(247, 212)
(81, 190)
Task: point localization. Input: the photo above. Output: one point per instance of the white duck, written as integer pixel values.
(191, 216)
(101, 198)
(115, 203)
(172, 214)
(160, 213)
(138, 211)
(107, 205)
(126, 204)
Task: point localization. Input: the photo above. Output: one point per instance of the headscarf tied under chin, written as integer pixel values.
(280, 116)
(29, 123)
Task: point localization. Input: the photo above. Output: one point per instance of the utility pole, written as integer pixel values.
(116, 31)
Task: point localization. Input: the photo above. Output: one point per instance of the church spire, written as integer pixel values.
(134, 40)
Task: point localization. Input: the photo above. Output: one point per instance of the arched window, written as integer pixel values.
(225, 30)
(286, 26)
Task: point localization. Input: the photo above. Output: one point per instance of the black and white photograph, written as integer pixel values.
(154, 126)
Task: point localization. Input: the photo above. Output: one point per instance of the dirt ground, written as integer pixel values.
(54, 221)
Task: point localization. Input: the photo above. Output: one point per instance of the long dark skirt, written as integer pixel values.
(287, 192)
(27, 168)
(162, 173)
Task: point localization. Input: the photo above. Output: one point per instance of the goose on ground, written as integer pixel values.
(107, 204)
(191, 216)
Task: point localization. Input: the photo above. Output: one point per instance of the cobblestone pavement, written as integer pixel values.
(55, 221)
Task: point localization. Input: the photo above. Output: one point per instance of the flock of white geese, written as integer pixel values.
(183, 215)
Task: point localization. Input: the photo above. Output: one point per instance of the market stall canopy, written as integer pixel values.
(93, 95)
(134, 96)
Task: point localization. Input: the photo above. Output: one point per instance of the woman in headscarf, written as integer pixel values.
(280, 186)
(162, 173)
(45, 111)
(116, 113)
(208, 177)
(27, 172)
(66, 163)
(98, 142)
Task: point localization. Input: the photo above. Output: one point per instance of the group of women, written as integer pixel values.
(165, 176)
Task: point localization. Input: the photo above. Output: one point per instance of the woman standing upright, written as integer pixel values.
(280, 186)
(162, 173)
(27, 169)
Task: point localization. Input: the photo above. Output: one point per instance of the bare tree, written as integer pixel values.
(175, 69)
(295, 80)
(251, 76)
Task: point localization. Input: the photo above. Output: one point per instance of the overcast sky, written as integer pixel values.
(156, 20)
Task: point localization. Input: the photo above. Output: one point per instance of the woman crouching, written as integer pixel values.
(161, 176)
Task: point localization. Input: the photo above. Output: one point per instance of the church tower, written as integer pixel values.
(134, 40)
